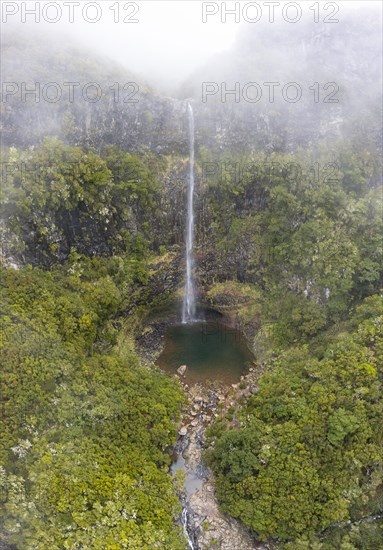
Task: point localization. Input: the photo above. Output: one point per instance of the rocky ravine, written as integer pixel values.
(208, 527)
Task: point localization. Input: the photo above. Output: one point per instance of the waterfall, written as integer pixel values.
(188, 308)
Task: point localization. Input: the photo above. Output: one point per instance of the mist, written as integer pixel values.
(165, 42)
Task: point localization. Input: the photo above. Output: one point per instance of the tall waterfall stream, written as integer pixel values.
(188, 309)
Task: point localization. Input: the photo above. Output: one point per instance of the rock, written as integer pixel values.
(182, 370)
(183, 431)
(194, 423)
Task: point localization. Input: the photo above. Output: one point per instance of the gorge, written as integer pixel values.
(208, 351)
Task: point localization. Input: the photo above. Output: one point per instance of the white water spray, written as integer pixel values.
(188, 308)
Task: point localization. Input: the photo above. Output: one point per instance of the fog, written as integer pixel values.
(163, 42)
(166, 44)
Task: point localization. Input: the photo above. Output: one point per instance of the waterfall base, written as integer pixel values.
(211, 351)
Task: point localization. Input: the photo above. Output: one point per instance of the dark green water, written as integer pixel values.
(211, 351)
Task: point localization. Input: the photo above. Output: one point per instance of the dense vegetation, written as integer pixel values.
(57, 197)
(303, 454)
(306, 451)
(86, 431)
(312, 245)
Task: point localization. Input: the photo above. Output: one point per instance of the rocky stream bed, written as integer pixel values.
(207, 526)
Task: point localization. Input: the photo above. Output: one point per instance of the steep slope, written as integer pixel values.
(80, 98)
(335, 75)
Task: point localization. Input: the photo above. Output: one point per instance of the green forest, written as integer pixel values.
(87, 431)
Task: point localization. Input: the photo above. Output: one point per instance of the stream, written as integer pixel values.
(203, 523)
(193, 482)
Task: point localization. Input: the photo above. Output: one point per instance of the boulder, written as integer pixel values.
(183, 431)
(182, 370)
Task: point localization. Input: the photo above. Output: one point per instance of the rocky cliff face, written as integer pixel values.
(109, 106)
(281, 90)
(50, 89)
(334, 67)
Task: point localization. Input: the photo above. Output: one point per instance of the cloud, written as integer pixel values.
(169, 39)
